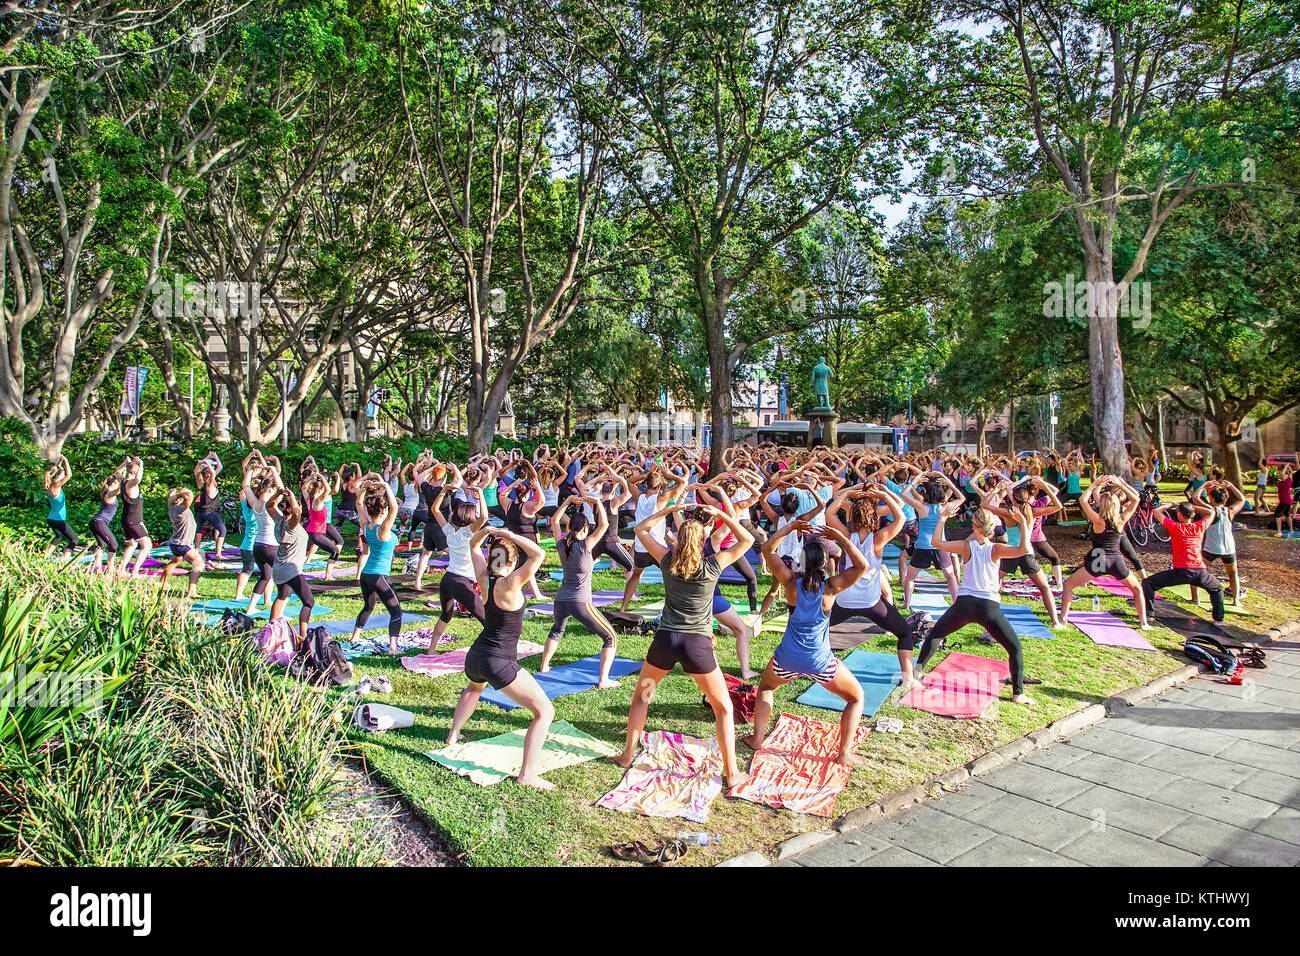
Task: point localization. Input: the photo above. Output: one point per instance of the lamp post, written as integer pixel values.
(759, 378)
(284, 402)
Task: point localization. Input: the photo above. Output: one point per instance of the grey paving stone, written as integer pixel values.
(1213, 770)
(1265, 757)
(1101, 739)
(936, 836)
(1030, 821)
(1198, 741)
(1119, 774)
(1115, 847)
(1284, 824)
(1055, 756)
(1118, 810)
(1216, 803)
(896, 856)
(1256, 849)
(1275, 787)
(973, 795)
(1198, 834)
(1046, 786)
(1003, 850)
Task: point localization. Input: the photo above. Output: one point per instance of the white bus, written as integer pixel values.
(852, 435)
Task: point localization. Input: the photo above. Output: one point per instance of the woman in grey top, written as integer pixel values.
(290, 556)
(574, 597)
(685, 632)
(179, 502)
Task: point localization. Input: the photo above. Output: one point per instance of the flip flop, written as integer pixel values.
(634, 852)
(670, 852)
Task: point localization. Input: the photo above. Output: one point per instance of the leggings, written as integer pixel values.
(458, 588)
(1046, 552)
(973, 610)
(63, 532)
(331, 544)
(497, 511)
(587, 615)
(1126, 548)
(376, 586)
(611, 546)
(211, 519)
(264, 556)
(103, 535)
(882, 614)
(298, 585)
(1197, 577)
(751, 581)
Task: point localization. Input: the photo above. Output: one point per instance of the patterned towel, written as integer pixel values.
(488, 762)
(796, 768)
(673, 776)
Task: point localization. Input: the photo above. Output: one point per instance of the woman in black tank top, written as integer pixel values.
(1107, 504)
(493, 657)
(133, 528)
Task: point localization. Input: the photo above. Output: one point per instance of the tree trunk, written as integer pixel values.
(981, 419)
(1011, 429)
(1106, 367)
(1229, 433)
(714, 313)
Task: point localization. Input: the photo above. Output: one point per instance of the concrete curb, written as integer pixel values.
(888, 804)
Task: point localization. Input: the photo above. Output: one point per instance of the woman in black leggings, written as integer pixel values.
(1108, 504)
(457, 585)
(978, 601)
(99, 524)
(572, 533)
(493, 658)
(612, 493)
(521, 515)
(378, 514)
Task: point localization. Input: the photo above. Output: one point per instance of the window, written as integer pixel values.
(767, 419)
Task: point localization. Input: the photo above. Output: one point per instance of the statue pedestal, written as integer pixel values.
(821, 427)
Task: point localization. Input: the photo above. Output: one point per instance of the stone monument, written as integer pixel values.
(822, 418)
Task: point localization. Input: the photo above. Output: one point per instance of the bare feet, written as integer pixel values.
(537, 783)
(624, 760)
(751, 742)
(1022, 699)
(544, 668)
(454, 739)
(748, 674)
(607, 683)
(737, 780)
(851, 760)
(910, 684)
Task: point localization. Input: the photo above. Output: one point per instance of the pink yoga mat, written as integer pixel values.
(1117, 587)
(961, 686)
(1102, 627)
(453, 662)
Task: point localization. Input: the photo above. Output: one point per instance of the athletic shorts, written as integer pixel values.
(1284, 510)
(1028, 564)
(481, 668)
(247, 561)
(923, 558)
(911, 530)
(644, 559)
(180, 550)
(693, 651)
(825, 677)
(435, 539)
(720, 605)
(1210, 557)
(134, 532)
(1099, 563)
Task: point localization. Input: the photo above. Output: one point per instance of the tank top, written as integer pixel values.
(806, 646)
(58, 506)
(265, 528)
(927, 527)
(490, 495)
(1072, 484)
(380, 560)
(291, 553)
(207, 502)
(501, 628)
(347, 500)
(517, 523)
(132, 510)
(867, 590)
(250, 526)
(1284, 486)
(410, 496)
(550, 497)
(979, 578)
(577, 562)
(1218, 536)
(459, 558)
(1036, 530)
(1107, 539)
(646, 505)
(106, 510)
(316, 520)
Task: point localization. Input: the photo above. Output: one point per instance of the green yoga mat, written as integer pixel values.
(1184, 593)
(487, 762)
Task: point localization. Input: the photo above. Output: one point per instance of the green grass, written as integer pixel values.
(512, 825)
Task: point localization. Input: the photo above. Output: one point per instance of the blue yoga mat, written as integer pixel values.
(601, 565)
(568, 679)
(264, 613)
(930, 597)
(878, 674)
(1025, 622)
(376, 622)
(224, 604)
(890, 553)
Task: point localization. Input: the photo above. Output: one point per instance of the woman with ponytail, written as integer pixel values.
(685, 632)
(805, 649)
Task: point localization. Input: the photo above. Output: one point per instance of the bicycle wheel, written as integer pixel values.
(1158, 532)
(1137, 531)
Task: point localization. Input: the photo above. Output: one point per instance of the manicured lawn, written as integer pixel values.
(512, 825)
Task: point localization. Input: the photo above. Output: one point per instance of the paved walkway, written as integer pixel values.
(1207, 775)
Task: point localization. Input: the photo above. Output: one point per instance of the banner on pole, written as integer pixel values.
(133, 389)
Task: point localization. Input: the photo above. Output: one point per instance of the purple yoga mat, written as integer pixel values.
(1102, 627)
(598, 599)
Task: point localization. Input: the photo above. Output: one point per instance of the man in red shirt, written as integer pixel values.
(1189, 567)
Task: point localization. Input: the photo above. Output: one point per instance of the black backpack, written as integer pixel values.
(1206, 651)
(233, 623)
(624, 623)
(319, 660)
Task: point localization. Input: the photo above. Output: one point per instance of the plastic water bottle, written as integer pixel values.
(1096, 603)
(700, 839)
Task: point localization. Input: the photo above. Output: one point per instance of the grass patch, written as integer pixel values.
(511, 825)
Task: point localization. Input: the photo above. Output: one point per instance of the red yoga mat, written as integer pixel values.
(961, 686)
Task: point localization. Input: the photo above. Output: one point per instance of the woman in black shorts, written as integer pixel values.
(209, 503)
(1107, 504)
(521, 514)
(493, 658)
(457, 585)
(133, 529)
(685, 632)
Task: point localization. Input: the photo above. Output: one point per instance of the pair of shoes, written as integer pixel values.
(372, 685)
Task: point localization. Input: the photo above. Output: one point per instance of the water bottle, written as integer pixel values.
(1096, 603)
(700, 839)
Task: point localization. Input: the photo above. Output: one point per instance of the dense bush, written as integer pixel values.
(196, 753)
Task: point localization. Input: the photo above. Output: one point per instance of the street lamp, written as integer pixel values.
(284, 402)
(760, 377)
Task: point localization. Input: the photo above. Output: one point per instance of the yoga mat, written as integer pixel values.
(929, 597)
(890, 553)
(796, 767)
(264, 613)
(849, 634)
(1070, 524)
(1025, 622)
(343, 573)
(1105, 628)
(222, 604)
(601, 565)
(568, 679)
(488, 762)
(1113, 585)
(961, 686)
(877, 673)
(597, 600)
(1184, 593)
(1186, 623)
(376, 621)
(453, 662)
(1023, 587)
(673, 776)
